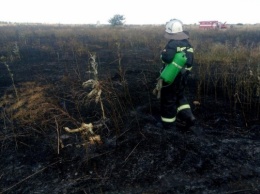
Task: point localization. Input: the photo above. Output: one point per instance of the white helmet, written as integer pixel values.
(174, 30)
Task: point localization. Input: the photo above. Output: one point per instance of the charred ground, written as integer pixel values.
(220, 155)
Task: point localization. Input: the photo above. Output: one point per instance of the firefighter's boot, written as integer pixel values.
(187, 119)
(190, 121)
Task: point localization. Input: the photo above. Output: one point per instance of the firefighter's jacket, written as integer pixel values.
(174, 46)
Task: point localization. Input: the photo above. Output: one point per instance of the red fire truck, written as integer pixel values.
(212, 25)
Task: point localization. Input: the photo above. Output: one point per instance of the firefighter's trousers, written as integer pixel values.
(174, 103)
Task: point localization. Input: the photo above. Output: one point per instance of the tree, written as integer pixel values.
(117, 20)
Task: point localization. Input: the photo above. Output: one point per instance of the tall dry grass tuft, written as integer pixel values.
(13, 55)
(95, 84)
(36, 113)
(35, 108)
(229, 71)
(12, 78)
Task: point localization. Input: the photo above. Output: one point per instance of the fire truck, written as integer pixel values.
(212, 25)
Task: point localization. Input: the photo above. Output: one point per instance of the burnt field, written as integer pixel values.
(78, 114)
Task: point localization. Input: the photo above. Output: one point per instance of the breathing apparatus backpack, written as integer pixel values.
(172, 69)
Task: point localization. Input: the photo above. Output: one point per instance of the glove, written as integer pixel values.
(157, 89)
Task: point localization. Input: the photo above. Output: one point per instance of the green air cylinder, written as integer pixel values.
(172, 69)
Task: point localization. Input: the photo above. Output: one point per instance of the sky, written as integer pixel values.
(134, 11)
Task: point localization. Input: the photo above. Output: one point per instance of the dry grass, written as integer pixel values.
(227, 66)
(35, 109)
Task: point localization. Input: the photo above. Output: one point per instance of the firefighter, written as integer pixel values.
(172, 99)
